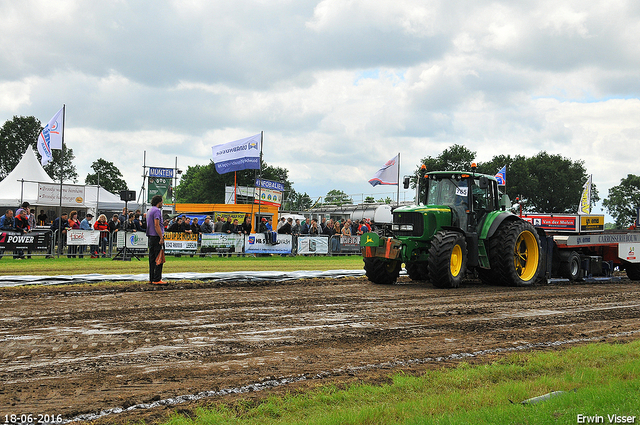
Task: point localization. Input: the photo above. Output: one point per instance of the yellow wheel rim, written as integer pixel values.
(526, 256)
(456, 260)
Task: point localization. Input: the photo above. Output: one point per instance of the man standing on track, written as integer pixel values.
(155, 232)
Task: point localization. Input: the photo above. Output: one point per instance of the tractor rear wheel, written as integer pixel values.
(447, 259)
(570, 265)
(417, 271)
(514, 254)
(382, 272)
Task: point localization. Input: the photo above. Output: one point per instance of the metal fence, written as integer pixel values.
(124, 245)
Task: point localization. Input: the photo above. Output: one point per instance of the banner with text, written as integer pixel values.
(49, 194)
(222, 242)
(134, 240)
(34, 241)
(269, 197)
(160, 186)
(83, 237)
(313, 245)
(257, 244)
(174, 241)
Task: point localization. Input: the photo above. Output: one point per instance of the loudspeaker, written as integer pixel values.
(127, 195)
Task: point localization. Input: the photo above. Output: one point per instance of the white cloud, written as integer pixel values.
(339, 87)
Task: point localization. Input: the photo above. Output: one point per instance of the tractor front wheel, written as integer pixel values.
(382, 272)
(417, 271)
(447, 259)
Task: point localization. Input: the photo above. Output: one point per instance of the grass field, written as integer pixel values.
(598, 380)
(86, 265)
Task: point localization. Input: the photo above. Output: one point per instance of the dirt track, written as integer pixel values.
(82, 349)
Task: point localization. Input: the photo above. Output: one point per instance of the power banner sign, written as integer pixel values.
(257, 244)
(180, 242)
(34, 241)
(221, 242)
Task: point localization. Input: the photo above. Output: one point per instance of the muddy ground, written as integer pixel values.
(73, 350)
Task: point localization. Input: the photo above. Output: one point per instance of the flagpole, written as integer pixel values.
(260, 176)
(398, 181)
(64, 113)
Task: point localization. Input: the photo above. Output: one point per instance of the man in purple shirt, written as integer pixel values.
(155, 233)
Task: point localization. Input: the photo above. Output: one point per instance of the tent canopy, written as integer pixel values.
(22, 185)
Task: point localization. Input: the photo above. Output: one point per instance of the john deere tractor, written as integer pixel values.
(459, 226)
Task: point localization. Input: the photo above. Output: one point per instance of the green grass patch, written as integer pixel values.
(87, 265)
(599, 380)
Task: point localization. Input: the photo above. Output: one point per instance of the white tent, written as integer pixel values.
(22, 185)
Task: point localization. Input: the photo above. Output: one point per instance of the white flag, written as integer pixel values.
(388, 174)
(585, 199)
(51, 137)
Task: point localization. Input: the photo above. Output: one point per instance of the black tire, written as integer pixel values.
(382, 272)
(570, 265)
(447, 259)
(633, 270)
(417, 271)
(514, 254)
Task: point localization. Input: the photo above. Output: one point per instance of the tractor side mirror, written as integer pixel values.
(406, 183)
(483, 182)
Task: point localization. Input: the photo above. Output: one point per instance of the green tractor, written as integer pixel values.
(460, 225)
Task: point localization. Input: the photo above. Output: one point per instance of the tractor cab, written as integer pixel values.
(470, 196)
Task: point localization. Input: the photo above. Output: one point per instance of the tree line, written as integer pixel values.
(546, 183)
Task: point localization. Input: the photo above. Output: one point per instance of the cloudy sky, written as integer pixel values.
(338, 86)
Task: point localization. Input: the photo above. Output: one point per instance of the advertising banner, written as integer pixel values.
(49, 194)
(222, 241)
(269, 197)
(234, 216)
(313, 245)
(268, 184)
(629, 252)
(134, 240)
(34, 241)
(350, 244)
(166, 173)
(547, 222)
(83, 237)
(591, 223)
(160, 186)
(238, 155)
(180, 242)
(257, 244)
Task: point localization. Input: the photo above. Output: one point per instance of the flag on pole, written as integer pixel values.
(238, 155)
(585, 199)
(502, 176)
(388, 174)
(51, 137)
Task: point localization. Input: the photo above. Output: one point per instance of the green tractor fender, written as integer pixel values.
(493, 220)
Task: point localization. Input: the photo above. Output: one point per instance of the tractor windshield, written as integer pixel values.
(447, 192)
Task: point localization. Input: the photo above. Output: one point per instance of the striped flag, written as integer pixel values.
(51, 137)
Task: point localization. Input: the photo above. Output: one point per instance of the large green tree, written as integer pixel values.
(15, 136)
(107, 175)
(68, 171)
(203, 184)
(19, 133)
(623, 200)
(337, 197)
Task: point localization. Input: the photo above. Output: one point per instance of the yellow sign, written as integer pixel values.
(234, 216)
(591, 222)
(175, 236)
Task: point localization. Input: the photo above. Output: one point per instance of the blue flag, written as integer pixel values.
(239, 155)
